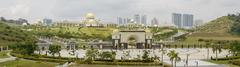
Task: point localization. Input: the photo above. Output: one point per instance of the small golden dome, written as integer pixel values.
(90, 16)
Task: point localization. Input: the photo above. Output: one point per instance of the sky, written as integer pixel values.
(108, 10)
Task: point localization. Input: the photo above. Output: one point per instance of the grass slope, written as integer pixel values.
(217, 29)
(12, 34)
(220, 25)
(27, 63)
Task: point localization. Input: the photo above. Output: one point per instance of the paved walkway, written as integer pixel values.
(65, 64)
(195, 55)
(7, 59)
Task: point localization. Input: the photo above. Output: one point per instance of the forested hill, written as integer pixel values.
(219, 25)
(226, 24)
(10, 35)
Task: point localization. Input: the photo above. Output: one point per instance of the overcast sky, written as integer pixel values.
(109, 10)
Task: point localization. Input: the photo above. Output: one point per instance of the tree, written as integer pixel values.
(108, 55)
(91, 54)
(177, 59)
(24, 47)
(216, 49)
(163, 52)
(170, 55)
(145, 56)
(235, 48)
(39, 50)
(53, 49)
(174, 57)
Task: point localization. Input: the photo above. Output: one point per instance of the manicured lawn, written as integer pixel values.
(3, 54)
(27, 63)
(193, 38)
(93, 65)
(223, 62)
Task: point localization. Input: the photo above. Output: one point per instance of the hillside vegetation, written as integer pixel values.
(219, 25)
(222, 28)
(10, 35)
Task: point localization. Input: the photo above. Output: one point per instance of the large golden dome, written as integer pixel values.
(92, 21)
(90, 16)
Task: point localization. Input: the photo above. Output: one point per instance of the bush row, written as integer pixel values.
(235, 62)
(131, 63)
(80, 61)
(124, 60)
(227, 58)
(42, 58)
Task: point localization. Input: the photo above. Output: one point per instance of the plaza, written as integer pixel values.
(196, 55)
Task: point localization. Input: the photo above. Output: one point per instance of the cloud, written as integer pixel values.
(108, 10)
(19, 10)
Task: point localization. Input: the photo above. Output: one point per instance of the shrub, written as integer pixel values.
(227, 58)
(235, 62)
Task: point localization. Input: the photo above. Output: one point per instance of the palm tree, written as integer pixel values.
(177, 58)
(207, 46)
(216, 49)
(174, 57)
(170, 55)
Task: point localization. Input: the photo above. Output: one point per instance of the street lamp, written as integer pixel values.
(187, 59)
(196, 63)
(163, 52)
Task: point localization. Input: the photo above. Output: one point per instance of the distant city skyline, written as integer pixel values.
(109, 10)
(183, 20)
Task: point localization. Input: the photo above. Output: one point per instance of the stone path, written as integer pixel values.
(7, 59)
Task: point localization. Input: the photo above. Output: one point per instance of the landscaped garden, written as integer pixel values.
(27, 63)
(3, 54)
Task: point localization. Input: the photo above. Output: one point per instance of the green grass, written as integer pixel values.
(193, 38)
(219, 25)
(223, 62)
(27, 63)
(3, 54)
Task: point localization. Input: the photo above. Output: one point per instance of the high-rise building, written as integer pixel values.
(177, 19)
(182, 20)
(125, 20)
(47, 22)
(144, 20)
(154, 22)
(120, 20)
(137, 18)
(187, 20)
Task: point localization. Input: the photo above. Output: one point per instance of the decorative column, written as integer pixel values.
(1, 48)
(7, 48)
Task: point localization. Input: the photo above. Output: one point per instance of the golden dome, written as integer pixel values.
(91, 21)
(90, 16)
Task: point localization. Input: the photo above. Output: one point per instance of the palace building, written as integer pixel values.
(133, 36)
(89, 21)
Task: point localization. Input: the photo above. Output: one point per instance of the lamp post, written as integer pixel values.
(187, 59)
(163, 52)
(196, 63)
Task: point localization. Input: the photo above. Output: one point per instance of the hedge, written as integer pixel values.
(127, 63)
(235, 62)
(98, 61)
(227, 58)
(42, 58)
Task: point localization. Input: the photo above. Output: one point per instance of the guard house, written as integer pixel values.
(132, 37)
